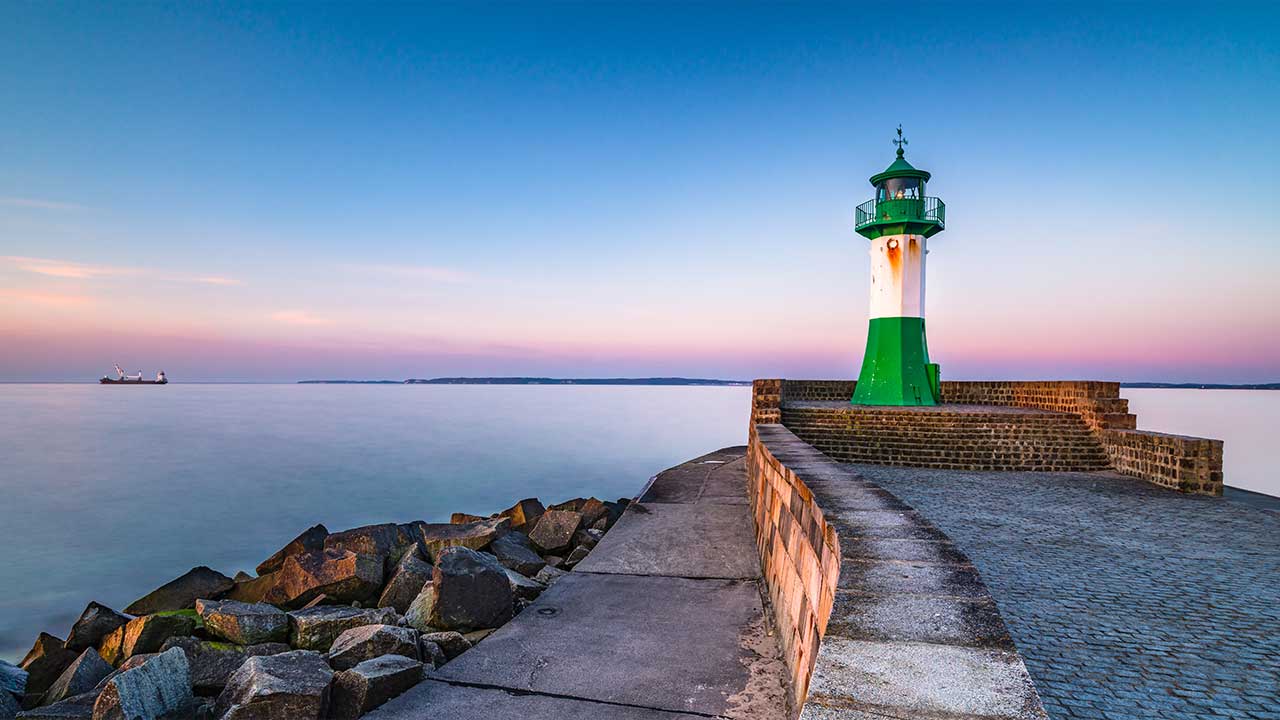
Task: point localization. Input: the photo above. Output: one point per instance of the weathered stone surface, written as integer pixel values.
(578, 555)
(159, 686)
(96, 622)
(615, 510)
(244, 623)
(451, 642)
(418, 615)
(13, 679)
(588, 538)
(679, 539)
(311, 539)
(181, 592)
(458, 702)
(592, 510)
(131, 663)
(693, 646)
(9, 706)
(292, 685)
(253, 590)
(470, 590)
(80, 677)
(45, 661)
(212, 663)
(524, 514)
(460, 517)
(522, 587)
(371, 683)
(436, 537)
(516, 552)
(79, 707)
(431, 653)
(146, 634)
(410, 576)
(316, 628)
(340, 574)
(569, 505)
(554, 531)
(549, 575)
(366, 642)
(387, 541)
(319, 600)
(475, 636)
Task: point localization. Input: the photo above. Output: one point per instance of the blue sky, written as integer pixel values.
(269, 192)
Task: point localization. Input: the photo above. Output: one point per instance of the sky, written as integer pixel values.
(277, 192)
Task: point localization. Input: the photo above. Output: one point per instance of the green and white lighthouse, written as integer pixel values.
(898, 222)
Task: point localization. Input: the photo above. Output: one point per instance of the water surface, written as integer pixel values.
(107, 492)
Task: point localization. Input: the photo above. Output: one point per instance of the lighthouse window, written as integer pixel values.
(900, 188)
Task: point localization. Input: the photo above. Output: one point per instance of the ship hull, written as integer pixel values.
(110, 381)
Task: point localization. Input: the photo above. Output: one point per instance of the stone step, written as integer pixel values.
(950, 439)
(849, 418)
(905, 448)
(946, 437)
(1062, 451)
(935, 422)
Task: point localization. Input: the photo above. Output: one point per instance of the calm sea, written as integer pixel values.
(107, 492)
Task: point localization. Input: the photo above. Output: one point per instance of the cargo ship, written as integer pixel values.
(123, 379)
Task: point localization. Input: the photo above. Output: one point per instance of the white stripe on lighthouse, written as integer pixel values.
(897, 276)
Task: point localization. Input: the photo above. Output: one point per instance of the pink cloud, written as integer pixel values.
(298, 317)
(71, 270)
(63, 268)
(217, 280)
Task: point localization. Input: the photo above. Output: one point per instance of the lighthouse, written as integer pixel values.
(898, 221)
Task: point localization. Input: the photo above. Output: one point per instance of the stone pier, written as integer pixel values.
(665, 619)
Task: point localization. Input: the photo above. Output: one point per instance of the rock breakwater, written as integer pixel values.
(332, 625)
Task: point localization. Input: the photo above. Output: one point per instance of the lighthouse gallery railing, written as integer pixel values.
(927, 209)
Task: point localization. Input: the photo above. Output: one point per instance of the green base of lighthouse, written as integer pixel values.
(896, 368)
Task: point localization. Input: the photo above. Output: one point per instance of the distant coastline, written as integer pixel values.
(1202, 386)
(535, 381)
(707, 382)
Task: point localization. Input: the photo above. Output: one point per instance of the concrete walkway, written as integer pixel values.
(1126, 600)
(663, 620)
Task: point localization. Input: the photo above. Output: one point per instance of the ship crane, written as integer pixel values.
(122, 376)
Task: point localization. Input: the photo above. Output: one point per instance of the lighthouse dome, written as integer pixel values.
(899, 168)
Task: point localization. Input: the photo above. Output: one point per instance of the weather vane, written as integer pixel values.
(901, 141)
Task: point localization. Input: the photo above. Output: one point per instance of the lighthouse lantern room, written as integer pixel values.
(898, 221)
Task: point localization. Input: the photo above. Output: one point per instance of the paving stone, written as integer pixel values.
(440, 700)
(678, 540)
(609, 638)
(1124, 599)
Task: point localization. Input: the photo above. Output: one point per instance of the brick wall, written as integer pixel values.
(1097, 403)
(818, 389)
(766, 404)
(1180, 463)
(799, 557)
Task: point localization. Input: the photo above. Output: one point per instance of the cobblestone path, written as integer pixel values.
(1126, 600)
